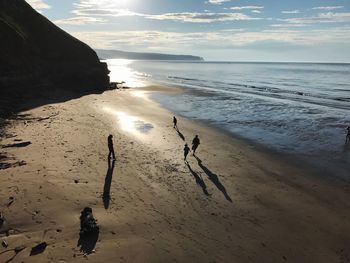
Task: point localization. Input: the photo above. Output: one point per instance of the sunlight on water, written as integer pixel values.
(131, 124)
(120, 71)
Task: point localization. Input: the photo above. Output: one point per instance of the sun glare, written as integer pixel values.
(131, 124)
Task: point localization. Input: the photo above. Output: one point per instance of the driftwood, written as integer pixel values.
(20, 144)
(25, 117)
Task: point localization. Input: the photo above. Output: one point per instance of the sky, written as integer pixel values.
(218, 30)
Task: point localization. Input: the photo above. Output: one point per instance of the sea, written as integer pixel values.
(301, 109)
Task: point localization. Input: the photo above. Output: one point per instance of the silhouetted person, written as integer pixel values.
(195, 143)
(110, 147)
(186, 151)
(175, 122)
(347, 139)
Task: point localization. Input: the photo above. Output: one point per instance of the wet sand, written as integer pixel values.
(233, 203)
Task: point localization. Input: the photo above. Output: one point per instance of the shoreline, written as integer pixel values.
(329, 171)
(309, 163)
(231, 204)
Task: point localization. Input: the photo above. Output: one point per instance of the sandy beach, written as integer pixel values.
(233, 203)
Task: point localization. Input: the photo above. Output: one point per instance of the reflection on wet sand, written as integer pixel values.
(130, 123)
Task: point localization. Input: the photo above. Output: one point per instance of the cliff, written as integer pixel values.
(105, 54)
(36, 56)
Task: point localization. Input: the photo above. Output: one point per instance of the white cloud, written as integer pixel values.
(201, 17)
(246, 7)
(217, 2)
(38, 4)
(104, 12)
(145, 40)
(256, 11)
(288, 25)
(327, 8)
(329, 17)
(80, 20)
(291, 12)
(95, 9)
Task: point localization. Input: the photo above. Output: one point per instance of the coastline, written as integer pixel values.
(325, 168)
(238, 203)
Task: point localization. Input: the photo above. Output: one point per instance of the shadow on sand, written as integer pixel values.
(214, 178)
(199, 180)
(87, 242)
(89, 231)
(179, 133)
(108, 182)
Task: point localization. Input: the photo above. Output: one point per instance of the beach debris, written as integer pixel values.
(19, 248)
(3, 224)
(38, 249)
(2, 219)
(4, 243)
(88, 223)
(11, 200)
(20, 144)
(27, 117)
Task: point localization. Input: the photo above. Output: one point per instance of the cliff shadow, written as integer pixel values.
(17, 100)
(214, 178)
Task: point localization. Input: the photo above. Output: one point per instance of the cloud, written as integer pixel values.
(327, 8)
(329, 17)
(256, 11)
(236, 38)
(80, 20)
(291, 12)
(96, 9)
(287, 25)
(201, 17)
(105, 12)
(38, 4)
(217, 2)
(246, 7)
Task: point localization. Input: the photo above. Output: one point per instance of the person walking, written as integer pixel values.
(347, 139)
(186, 151)
(175, 122)
(110, 147)
(195, 144)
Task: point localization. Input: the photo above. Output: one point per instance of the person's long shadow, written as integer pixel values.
(179, 133)
(199, 180)
(87, 242)
(108, 182)
(214, 178)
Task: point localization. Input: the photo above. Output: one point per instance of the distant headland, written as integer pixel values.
(108, 54)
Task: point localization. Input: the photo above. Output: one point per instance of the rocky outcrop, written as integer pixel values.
(37, 56)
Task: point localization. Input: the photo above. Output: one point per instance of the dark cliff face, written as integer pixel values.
(37, 55)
